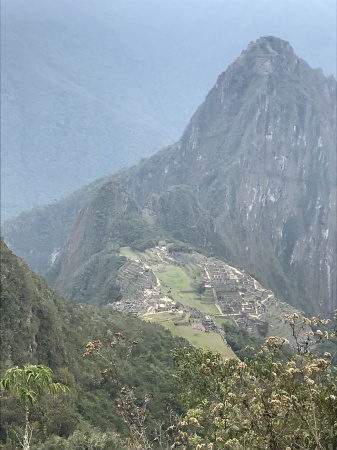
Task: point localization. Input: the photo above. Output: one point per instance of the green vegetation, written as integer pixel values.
(38, 326)
(200, 339)
(122, 381)
(220, 321)
(94, 281)
(275, 399)
(207, 341)
(176, 283)
(28, 384)
(183, 248)
(239, 339)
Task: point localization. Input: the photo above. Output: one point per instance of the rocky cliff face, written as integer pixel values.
(88, 264)
(178, 211)
(260, 155)
(87, 267)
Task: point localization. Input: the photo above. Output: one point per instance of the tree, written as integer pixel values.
(28, 384)
(145, 434)
(273, 400)
(283, 397)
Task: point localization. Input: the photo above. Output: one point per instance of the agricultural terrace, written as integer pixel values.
(176, 283)
(200, 339)
(179, 283)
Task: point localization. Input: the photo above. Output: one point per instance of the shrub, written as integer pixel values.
(269, 401)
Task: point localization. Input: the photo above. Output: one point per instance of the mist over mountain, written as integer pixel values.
(257, 163)
(90, 87)
(260, 155)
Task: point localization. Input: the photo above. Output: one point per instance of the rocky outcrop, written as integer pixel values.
(260, 155)
(259, 158)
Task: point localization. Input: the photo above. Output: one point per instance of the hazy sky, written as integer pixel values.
(309, 25)
(120, 79)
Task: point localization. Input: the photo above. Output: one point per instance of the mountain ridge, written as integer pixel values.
(285, 147)
(259, 156)
(86, 78)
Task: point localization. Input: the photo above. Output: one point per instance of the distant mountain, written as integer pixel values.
(257, 162)
(260, 155)
(43, 230)
(87, 89)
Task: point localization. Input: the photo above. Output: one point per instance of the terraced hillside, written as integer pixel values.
(193, 296)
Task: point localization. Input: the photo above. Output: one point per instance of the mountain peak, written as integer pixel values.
(271, 44)
(268, 54)
(258, 156)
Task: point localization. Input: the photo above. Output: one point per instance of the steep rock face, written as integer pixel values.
(86, 268)
(260, 155)
(39, 235)
(91, 254)
(178, 211)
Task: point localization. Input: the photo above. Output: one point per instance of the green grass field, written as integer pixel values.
(128, 253)
(151, 255)
(161, 317)
(174, 280)
(219, 321)
(200, 339)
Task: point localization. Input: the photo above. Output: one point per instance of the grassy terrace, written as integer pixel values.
(219, 321)
(174, 282)
(128, 253)
(208, 341)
